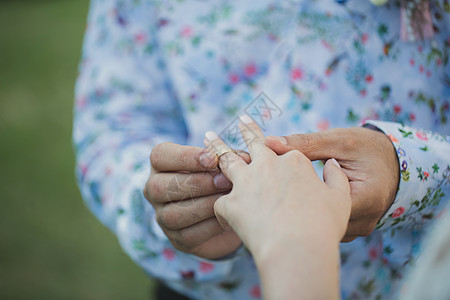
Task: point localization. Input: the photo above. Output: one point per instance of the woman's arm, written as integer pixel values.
(289, 219)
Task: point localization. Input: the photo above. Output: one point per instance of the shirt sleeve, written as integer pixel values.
(124, 106)
(424, 162)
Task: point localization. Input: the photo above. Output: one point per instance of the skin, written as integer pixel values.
(366, 156)
(182, 188)
(369, 160)
(293, 239)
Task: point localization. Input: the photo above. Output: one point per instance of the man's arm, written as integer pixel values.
(377, 163)
(124, 107)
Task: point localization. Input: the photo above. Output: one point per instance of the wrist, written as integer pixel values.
(300, 266)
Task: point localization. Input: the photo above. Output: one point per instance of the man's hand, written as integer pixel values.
(183, 187)
(368, 159)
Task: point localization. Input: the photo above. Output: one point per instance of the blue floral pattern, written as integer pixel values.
(155, 71)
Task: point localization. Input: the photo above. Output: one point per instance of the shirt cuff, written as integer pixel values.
(423, 170)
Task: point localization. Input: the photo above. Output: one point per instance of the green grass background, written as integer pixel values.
(51, 247)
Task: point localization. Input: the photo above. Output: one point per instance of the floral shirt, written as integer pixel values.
(157, 71)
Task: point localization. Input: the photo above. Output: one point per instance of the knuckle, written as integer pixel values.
(306, 142)
(154, 188)
(295, 156)
(185, 239)
(170, 217)
(349, 141)
(155, 155)
(181, 157)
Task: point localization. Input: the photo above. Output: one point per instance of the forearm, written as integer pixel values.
(307, 269)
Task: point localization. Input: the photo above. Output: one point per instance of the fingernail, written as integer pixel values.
(280, 139)
(207, 160)
(335, 163)
(211, 136)
(246, 119)
(221, 182)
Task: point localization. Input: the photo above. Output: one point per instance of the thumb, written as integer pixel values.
(221, 212)
(319, 145)
(334, 177)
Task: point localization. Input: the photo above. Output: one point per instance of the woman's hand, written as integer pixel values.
(282, 210)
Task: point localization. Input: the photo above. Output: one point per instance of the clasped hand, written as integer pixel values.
(185, 184)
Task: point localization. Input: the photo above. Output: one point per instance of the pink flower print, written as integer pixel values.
(272, 37)
(412, 117)
(428, 73)
(364, 38)
(186, 32)
(84, 169)
(421, 136)
(234, 78)
(397, 109)
(108, 171)
(296, 73)
(373, 253)
(393, 138)
(206, 267)
(163, 22)
(255, 291)
(439, 61)
(420, 49)
(250, 69)
(140, 38)
(169, 254)
(425, 175)
(421, 69)
(81, 102)
(412, 62)
(323, 125)
(363, 93)
(322, 86)
(187, 274)
(398, 212)
(326, 44)
(369, 78)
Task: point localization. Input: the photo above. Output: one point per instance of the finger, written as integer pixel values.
(244, 155)
(182, 214)
(222, 213)
(219, 246)
(320, 145)
(348, 239)
(230, 163)
(174, 157)
(195, 235)
(361, 227)
(253, 137)
(334, 177)
(167, 187)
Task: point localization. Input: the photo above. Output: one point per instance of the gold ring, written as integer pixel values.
(223, 152)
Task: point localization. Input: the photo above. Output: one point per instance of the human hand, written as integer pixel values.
(183, 187)
(369, 160)
(276, 200)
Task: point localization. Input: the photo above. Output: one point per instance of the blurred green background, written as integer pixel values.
(51, 247)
